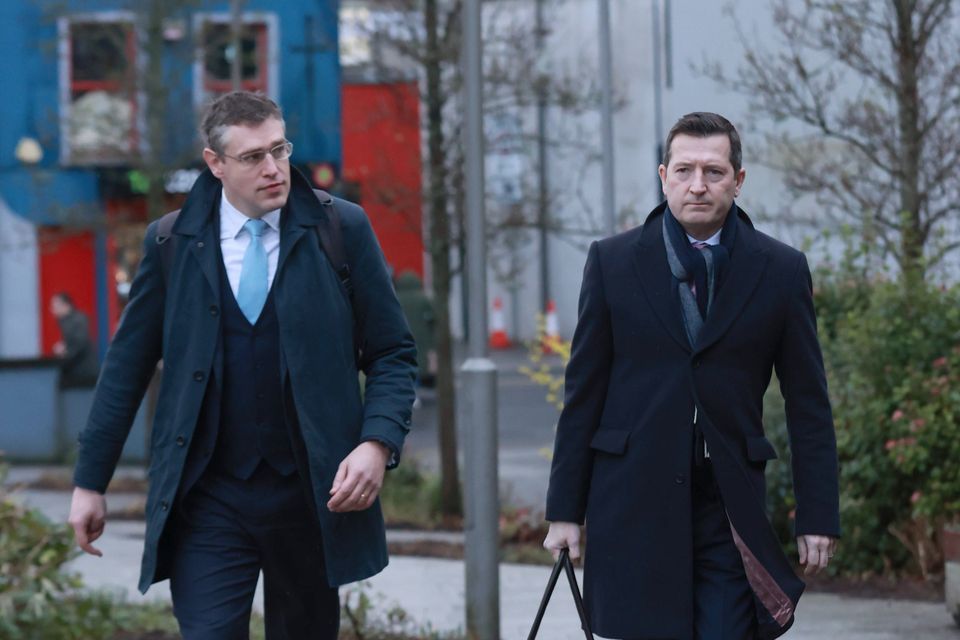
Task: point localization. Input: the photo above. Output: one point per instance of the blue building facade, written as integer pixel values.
(76, 127)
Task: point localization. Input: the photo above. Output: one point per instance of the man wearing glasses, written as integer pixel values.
(264, 457)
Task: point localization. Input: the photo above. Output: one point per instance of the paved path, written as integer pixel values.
(432, 591)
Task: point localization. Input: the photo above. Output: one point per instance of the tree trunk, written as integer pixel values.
(450, 501)
(908, 110)
(152, 161)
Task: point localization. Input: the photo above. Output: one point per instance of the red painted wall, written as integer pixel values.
(66, 264)
(381, 153)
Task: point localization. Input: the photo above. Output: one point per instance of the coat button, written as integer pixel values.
(696, 363)
(680, 479)
(164, 505)
(200, 245)
(198, 376)
(181, 441)
(214, 310)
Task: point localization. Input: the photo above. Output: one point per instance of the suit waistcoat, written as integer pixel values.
(252, 426)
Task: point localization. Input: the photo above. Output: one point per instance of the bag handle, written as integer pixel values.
(565, 564)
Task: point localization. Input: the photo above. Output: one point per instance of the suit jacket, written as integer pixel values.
(177, 319)
(623, 447)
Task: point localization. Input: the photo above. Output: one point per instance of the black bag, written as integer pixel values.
(564, 563)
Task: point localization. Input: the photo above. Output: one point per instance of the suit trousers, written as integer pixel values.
(227, 531)
(723, 601)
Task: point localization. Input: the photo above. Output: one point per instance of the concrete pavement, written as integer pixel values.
(431, 590)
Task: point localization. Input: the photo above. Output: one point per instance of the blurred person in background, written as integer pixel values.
(79, 366)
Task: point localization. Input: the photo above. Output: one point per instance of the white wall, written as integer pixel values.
(19, 297)
(692, 32)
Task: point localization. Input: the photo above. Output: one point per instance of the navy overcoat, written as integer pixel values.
(177, 319)
(624, 441)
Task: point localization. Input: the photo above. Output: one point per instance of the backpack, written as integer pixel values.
(329, 234)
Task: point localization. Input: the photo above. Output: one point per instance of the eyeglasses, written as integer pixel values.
(253, 158)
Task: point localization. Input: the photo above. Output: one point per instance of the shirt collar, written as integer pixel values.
(232, 220)
(712, 240)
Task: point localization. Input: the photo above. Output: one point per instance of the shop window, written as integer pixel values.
(98, 90)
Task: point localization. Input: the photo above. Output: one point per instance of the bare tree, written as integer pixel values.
(424, 36)
(877, 85)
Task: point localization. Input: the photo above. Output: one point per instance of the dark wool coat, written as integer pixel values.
(179, 321)
(624, 441)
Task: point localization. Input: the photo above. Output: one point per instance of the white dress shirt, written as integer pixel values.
(234, 240)
(713, 240)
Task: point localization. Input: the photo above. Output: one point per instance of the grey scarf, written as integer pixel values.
(692, 320)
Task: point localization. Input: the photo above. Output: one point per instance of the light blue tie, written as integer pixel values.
(252, 292)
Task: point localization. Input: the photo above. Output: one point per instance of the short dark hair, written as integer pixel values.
(703, 124)
(64, 297)
(235, 108)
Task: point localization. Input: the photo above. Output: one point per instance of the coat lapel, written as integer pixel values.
(747, 264)
(203, 247)
(290, 235)
(650, 260)
(302, 213)
(198, 222)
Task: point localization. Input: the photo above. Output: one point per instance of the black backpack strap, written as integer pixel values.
(330, 235)
(164, 233)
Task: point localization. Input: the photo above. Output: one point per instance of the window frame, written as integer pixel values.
(204, 89)
(67, 86)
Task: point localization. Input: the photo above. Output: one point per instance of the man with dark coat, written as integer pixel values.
(660, 448)
(263, 454)
(79, 366)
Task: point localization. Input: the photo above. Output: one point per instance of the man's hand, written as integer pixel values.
(359, 478)
(563, 535)
(88, 513)
(815, 552)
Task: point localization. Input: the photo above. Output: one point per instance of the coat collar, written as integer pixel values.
(747, 263)
(302, 206)
(197, 219)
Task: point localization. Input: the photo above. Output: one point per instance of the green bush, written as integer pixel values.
(880, 340)
(32, 551)
(38, 599)
(926, 449)
(411, 498)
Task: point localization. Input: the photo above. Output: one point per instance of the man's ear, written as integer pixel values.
(741, 176)
(663, 179)
(214, 162)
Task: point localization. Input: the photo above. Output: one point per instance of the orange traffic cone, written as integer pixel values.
(551, 329)
(498, 328)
